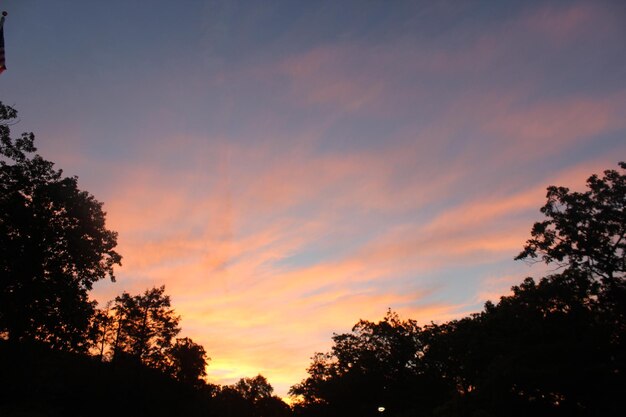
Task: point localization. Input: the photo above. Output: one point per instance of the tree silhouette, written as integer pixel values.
(189, 361)
(554, 347)
(254, 389)
(54, 245)
(250, 397)
(102, 331)
(544, 350)
(377, 364)
(145, 327)
(585, 231)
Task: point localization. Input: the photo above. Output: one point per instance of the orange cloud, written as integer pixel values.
(559, 123)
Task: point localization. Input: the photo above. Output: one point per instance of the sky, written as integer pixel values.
(286, 168)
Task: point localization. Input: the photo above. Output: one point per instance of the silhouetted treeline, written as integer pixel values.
(550, 349)
(60, 355)
(554, 347)
(38, 381)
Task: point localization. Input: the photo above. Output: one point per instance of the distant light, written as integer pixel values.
(381, 409)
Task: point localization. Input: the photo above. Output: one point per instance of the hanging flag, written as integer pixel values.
(2, 63)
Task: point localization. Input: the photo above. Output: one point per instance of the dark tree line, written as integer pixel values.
(54, 245)
(62, 355)
(251, 397)
(142, 329)
(554, 347)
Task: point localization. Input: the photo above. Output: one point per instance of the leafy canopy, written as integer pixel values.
(54, 245)
(146, 325)
(554, 347)
(584, 230)
(189, 361)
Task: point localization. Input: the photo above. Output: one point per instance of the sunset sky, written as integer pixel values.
(286, 168)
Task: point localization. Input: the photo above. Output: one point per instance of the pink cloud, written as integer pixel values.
(384, 79)
(557, 123)
(325, 75)
(565, 24)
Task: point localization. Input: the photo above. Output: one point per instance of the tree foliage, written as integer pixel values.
(584, 230)
(554, 347)
(254, 389)
(140, 327)
(54, 245)
(249, 397)
(585, 233)
(377, 364)
(188, 361)
(547, 349)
